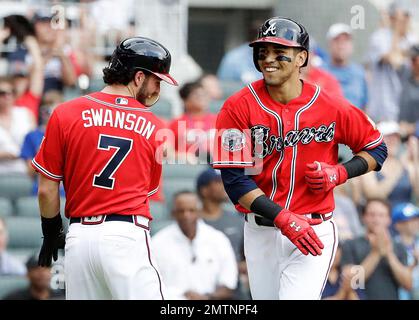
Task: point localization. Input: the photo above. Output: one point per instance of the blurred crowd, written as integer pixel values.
(200, 254)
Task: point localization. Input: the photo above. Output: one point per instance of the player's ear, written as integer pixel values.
(139, 78)
(301, 57)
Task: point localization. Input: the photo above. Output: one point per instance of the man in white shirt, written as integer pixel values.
(196, 261)
(9, 265)
(15, 123)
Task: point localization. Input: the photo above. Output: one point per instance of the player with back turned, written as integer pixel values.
(277, 148)
(103, 147)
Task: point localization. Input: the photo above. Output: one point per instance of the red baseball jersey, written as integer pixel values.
(104, 149)
(277, 140)
(193, 132)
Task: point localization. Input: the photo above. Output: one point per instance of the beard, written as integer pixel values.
(144, 97)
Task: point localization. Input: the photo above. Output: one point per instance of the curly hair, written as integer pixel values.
(120, 76)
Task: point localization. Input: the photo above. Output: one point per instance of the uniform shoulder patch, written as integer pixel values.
(233, 140)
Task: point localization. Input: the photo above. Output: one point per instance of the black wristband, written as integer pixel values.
(265, 207)
(355, 167)
(52, 227)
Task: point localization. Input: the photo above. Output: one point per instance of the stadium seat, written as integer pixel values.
(95, 84)
(9, 284)
(215, 106)
(27, 207)
(171, 186)
(24, 232)
(182, 171)
(159, 211)
(230, 87)
(156, 226)
(23, 254)
(163, 109)
(6, 208)
(15, 186)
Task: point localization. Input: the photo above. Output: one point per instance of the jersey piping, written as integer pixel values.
(114, 105)
(295, 148)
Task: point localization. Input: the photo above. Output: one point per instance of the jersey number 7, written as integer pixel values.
(123, 147)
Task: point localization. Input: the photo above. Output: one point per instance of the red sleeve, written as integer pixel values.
(155, 179)
(232, 143)
(159, 195)
(358, 131)
(30, 101)
(157, 157)
(49, 160)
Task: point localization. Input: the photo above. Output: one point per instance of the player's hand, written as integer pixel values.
(322, 177)
(49, 249)
(54, 239)
(298, 230)
(241, 209)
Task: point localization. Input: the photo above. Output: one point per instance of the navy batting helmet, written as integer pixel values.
(283, 31)
(143, 54)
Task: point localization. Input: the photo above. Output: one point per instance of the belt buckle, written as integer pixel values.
(138, 222)
(93, 219)
(324, 217)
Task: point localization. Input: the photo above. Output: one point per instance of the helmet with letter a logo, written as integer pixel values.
(282, 31)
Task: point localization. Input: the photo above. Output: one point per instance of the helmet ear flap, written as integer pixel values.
(256, 57)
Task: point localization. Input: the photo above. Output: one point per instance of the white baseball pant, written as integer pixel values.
(111, 260)
(278, 270)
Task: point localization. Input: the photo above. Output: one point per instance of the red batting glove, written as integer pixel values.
(298, 230)
(322, 177)
(241, 209)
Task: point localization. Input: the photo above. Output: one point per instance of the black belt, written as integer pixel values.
(138, 220)
(265, 222)
(110, 217)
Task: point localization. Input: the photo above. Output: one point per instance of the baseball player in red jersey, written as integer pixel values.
(103, 147)
(287, 132)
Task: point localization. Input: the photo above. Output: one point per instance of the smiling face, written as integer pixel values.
(276, 71)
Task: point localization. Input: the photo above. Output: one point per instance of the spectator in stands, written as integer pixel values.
(350, 75)
(396, 179)
(28, 80)
(409, 98)
(194, 131)
(34, 138)
(39, 284)
(59, 70)
(237, 64)
(15, 123)
(410, 158)
(316, 74)
(212, 85)
(196, 261)
(346, 215)
(9, 265)
(406, 223)
(210, 190)
(384, 262)
(339, 281)
(387, 53)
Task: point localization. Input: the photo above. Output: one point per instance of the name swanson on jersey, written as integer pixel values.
(264, 144)
(118, 119)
